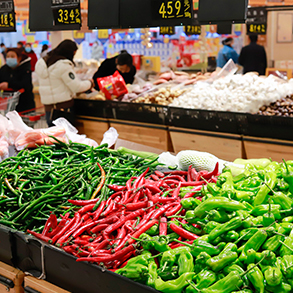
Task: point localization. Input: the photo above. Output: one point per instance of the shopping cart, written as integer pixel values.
(35, 118)
(9, 100)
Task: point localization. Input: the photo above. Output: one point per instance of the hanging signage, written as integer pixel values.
(167, 30)
(66, 12)
(192, 30)
(256, 23)
(7, 16)
(172, 9)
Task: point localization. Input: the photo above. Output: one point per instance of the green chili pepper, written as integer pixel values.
(282, 288)
(287, 175)
(219, 216)
(169, 257)
(256, 277)
(287, 266)
(283, 200)
(273, 276)
(153, 274)
(168, 273)
(190, 203)
(235, 268)
(262, 209)
(185, 263)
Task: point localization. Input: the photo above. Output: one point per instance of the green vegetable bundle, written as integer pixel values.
(35, 183)
(246, 242)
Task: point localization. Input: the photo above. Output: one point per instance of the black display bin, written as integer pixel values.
(269, 126)
(139, 112)
(27, 254)
(90, 108)
(6, 245)
(217, 121)
(63, 270)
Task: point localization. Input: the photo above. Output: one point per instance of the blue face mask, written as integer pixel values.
(28, 49)
(11, 62)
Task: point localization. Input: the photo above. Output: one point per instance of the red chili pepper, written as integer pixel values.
(155, 177)
(63, 230)
(137, 196)
(83, 202)
(194, 175)
(163, 226)
(208, 175)
(80, 242)
(75, 225)
(83, 229)
(176, 172)
(145, 219)
(189, 177)
(129, 183)
(99, 211)
(159, 174)
(86, 237)
(175, 177)
(153, 188)
(40, 236)
(118, 224)
(100, 251)
(173, 211)
(182, 232)
(86, 209)
(50, 224)
(159, 212)
(196, 183)
(116, 187)
(116, 256)
(99, 228)
(172, 181)
(109, 209)
(123, 260)
(60, 226)
(137, 205)
(107, 220)
(175, 245)
(97, 240)
(121, 235)
(214, 179)
(140, 177)
(126, 196)
(103, 179)
(128, 224)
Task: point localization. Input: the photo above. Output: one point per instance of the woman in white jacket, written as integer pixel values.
(57, 81)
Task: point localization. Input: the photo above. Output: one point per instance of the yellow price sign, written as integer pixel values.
(7, 20)
(192, 30)
(67, 15)
(259, 29)
(172, 9)
(103, 34)
(167, 30)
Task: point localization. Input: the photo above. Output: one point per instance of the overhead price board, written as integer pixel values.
(7, 16)
(192, 30)
(256, 23)
(66, 12)
(167, 30)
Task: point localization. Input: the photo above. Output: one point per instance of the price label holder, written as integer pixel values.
(192, 30)
(172, 12)
(256, 28)
(66, 13)
(7, 16)
(167, 30)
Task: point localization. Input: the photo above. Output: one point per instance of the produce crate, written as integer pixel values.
(63, 271)
(228, 122)
(269, 126)
(90, 108)
(139, 112)
(11, 279)
(6, 245)
(27, 254)
(34, 285)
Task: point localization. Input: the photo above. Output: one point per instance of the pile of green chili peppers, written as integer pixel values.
(35, 183)
(245, 223)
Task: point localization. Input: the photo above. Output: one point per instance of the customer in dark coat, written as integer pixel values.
(123, 63)
(253, 57)
(16, 75)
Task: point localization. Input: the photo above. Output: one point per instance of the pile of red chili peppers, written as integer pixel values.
(106, 231)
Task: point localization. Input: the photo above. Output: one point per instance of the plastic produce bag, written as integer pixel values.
(4, 152)
(110, 137)
(113, 86)
(16, 126)
(72, 132)
(5, 124)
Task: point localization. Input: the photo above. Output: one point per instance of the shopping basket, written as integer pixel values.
(9, 100)
(35, 118)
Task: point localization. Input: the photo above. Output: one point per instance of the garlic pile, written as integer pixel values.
(237, 93)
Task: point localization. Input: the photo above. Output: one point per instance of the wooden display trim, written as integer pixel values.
(271, 70)
(139, 124)
(42, 286)
(14, 275)
(268, 141)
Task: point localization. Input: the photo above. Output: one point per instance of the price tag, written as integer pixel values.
(167, 30)
(66, 12)
(256, 28)
(172, 9)
(192, 30)
(7, 16)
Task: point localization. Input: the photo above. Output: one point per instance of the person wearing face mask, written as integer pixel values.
(227, 53)
(58, 82)
(16, 75)
(123, 63)
(30, 53)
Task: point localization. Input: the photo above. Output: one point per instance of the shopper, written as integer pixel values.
(20, 45)
(45, 50)
(3, 50)
(30, 53)
(227, 53)
(16, 75)
(253, 57)
(97, 51)
(58, 82)
(123, 63)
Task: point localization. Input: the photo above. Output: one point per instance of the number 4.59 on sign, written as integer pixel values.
(173, 9)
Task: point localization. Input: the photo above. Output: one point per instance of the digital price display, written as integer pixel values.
(66, 12)
(167, 30)
(256, 29)
(172, 9)
(192, 30)
(7, 16)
